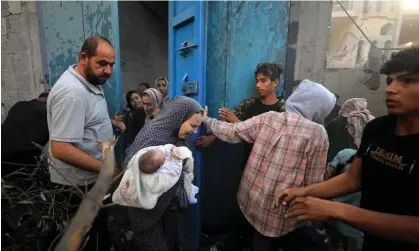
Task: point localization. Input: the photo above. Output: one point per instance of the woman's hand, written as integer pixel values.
(118, 117)
(155, 112)
(119, 125)
(205, 115)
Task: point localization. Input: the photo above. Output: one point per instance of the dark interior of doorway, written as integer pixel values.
(143, 32)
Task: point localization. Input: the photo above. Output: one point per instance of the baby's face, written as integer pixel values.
(151, 161)
(159, 158)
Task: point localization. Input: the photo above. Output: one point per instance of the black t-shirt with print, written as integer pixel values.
(390, 177)
(258, 108)
(254, 109)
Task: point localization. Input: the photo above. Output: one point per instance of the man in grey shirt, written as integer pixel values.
(78, 118)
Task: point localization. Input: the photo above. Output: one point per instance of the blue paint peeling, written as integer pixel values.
(61, 32)
(65, 32)
(98, 20)
(242, 34)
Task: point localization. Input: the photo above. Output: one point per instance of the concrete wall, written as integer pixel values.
(144, 42)
(312, 39)
(21, 67)
(344, 74)
(345, 36)
(349, 84)
(310, 24)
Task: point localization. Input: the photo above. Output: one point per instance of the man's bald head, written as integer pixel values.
(90, 45)
(97, 57)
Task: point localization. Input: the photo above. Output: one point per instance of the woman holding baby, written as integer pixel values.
(157, 229)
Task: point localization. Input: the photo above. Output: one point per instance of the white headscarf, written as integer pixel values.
(357, 115)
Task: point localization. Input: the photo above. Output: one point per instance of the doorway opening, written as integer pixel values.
(143, 36)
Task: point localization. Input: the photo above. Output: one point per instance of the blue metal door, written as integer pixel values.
(187, 50)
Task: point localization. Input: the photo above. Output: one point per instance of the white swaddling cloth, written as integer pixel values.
(138, 189)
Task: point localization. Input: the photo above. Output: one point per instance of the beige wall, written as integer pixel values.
(345, 76)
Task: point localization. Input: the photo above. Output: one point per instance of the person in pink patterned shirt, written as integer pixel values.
(290, 150)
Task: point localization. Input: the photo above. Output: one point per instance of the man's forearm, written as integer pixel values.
(340, 185)
(392, 226)
(222, 130)
(71, 155)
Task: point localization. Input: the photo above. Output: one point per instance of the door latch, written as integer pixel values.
(189, 88)
(185, 48)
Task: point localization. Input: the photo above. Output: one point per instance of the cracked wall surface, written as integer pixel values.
(21, 67)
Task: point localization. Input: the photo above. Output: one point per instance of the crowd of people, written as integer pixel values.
(310, 163)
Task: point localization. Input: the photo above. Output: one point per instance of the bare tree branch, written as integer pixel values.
(89, 207)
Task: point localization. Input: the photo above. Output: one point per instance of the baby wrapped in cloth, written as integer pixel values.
(151, 172)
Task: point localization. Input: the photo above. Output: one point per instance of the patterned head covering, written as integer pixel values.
(165, 127)
(156, 98)
(357, 115)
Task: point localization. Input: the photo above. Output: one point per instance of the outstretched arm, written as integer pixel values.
(237, 132)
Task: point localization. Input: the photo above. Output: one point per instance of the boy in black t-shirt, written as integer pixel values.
(267, 76)
(386, 169)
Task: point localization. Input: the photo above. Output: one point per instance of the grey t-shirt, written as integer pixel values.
(77, 113)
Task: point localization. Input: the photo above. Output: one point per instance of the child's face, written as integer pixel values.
(152, 162)
(159, 158)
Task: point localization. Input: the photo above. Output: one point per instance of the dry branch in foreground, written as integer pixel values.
(81, 222)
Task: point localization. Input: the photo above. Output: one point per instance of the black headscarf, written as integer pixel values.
(128, 99)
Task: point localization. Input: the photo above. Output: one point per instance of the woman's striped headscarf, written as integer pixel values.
(156, 98)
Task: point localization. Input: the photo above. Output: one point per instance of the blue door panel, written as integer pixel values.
(217, 55)
(63, 33)
(101, 18)
(240, 35)
(187, 30)
(258, 33)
